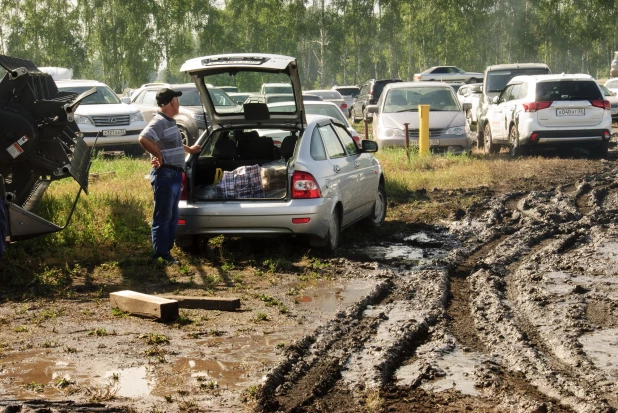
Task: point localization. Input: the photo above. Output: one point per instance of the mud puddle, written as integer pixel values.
(602, 348)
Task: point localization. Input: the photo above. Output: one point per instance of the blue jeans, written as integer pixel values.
(166, 185)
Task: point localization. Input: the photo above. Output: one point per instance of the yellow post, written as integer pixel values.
(423, 132)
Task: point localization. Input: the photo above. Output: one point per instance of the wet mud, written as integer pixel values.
(513, 306)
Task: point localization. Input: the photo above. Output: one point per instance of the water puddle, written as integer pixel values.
(234, 361)
(453, 370)
(395, 252)
(602, 348)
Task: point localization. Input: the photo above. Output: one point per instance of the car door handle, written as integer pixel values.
(336, 168)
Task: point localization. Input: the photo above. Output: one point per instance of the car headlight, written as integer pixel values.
(137, 117)
(198, 116)
(81, 119)
(393, 133)
(457, 130)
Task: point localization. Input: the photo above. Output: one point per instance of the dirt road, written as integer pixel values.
(510, 306)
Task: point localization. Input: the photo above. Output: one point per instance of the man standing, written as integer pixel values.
(162, 139)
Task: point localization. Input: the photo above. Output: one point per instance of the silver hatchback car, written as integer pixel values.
(314, 182)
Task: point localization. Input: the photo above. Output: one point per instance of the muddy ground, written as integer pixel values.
(511, 305)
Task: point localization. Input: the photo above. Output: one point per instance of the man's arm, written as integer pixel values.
(193, 149)
(152, 149)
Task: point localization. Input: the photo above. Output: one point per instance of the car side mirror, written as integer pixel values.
(467, 106)
(369, 146)
(495, 100)
(126, 99)
(372, 109)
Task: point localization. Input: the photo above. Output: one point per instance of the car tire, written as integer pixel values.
(331, 242)
(516, 150)
(600, 151)
(378, 212)
(488, 145)
(185, 135)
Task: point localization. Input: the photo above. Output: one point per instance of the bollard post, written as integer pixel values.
(406, 131)
(423, 132)
(366, 128)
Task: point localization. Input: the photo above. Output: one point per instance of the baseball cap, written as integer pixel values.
(165, 96)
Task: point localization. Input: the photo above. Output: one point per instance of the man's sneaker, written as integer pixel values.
(169, 260)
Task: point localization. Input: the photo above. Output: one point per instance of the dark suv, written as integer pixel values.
(369, 94)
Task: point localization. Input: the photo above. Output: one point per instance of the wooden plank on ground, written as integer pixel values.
(205, 303)
(144, 304)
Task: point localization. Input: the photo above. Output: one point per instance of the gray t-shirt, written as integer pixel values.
(164, 133)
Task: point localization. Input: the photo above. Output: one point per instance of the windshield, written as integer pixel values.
(348, 91)
(497, 80)
(567, 90)
(103, 96)
(408, 99)
(190, 97)
(247, 81)
(310, 109)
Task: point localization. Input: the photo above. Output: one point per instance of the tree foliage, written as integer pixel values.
(125, 43)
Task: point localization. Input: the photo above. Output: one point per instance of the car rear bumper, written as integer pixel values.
(567, 137)
(255, 217)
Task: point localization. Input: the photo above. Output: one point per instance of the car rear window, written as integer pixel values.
(567, 90)
(497, 79)
(348, 91)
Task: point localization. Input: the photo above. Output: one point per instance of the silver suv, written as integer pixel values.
(101, 117)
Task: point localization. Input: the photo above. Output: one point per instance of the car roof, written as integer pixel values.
(517, 66)
(549, 77)
(427, 83)
(79, 82)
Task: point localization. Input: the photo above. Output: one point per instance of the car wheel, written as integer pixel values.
(378, 212)
(599, 151)
(516, 150)
(488, 145)
(185, 136)
(331, 242)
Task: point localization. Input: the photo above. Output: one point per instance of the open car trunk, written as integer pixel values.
(243, 164)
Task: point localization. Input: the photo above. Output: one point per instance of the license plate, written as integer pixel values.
(570, 112)
(432, 142)
(114, 132)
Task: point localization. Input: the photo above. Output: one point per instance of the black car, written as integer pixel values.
(369, 94)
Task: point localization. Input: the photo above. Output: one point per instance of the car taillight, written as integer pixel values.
(603, 104)
(606, 135)
(304, 186)
(534, 137)
(417, 77)
(344, 106)
(185, 184)
(534, 106)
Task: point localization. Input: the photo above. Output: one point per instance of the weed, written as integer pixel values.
(227, 266)
(185, 270)
(261, 317)
(238, 278)
(216, 333)
(155, 351)
(277, 264)
(88, 313)
(50, 344)
(97, 394)
(374, 403)
(168, 398)
(35, 387)
(68, 349)
(99, 332)
(281, 345)
(115, 377)
(183, 320)
(22, 309)
(154, 338)
(117, 312)
(62, 383)
(209, 385)
(258, 272)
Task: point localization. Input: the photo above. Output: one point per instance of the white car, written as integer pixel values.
(470, 94)
(331, 96)
(448, 74)
(279, 87)
(612, 84)
(398, 105)
(613, 100)
(532, 112)
(101, 117)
